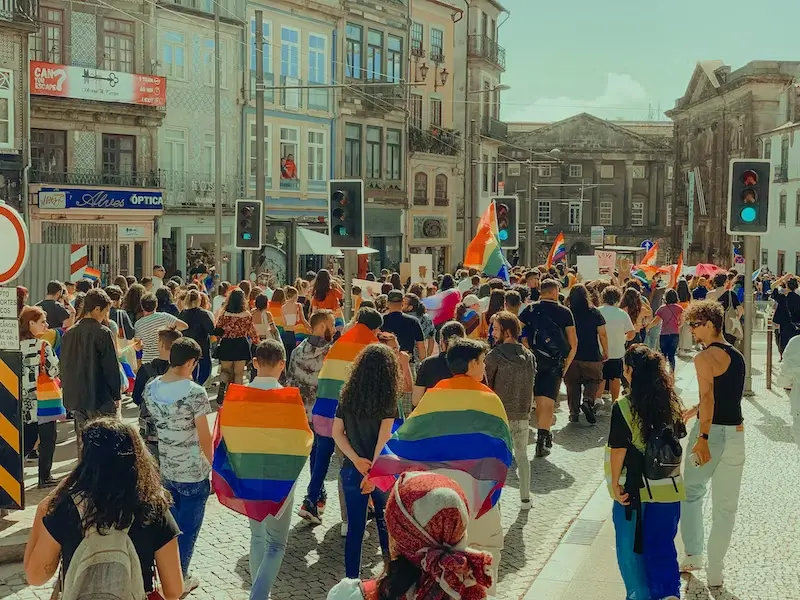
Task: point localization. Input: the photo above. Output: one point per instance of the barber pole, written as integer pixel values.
(79, 260)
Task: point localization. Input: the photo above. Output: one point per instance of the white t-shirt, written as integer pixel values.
(146, 329)
(157, 283)
(618, 324)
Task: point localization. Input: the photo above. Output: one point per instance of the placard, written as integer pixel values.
(597, 234)
(588, 267)
(8, 303)
(421, 268)
(624, 268)
(405, 272)
(368, 288)
(9, 334)
(606, 260)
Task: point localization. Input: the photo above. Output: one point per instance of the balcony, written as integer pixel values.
(781, 173)
(440, 200)
(148, 179)
(20, 14)
(379, 95)
(437, 56)
(434, 140)
(193, 190)
(484, 47)
(494, 129)
(417, 51)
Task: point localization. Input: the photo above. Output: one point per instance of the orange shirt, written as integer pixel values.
(331, 301)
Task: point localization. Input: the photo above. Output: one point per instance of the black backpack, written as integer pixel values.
(548, 339)
(662, 455)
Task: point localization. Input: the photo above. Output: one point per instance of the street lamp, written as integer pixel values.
(443, 74)
(500, 87)
(423, 71)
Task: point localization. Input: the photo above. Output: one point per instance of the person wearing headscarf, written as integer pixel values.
(427, 516)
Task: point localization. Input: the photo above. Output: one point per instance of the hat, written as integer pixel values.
(395, 296)
(470, 300)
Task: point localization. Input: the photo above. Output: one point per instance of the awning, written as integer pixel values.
(314, 242)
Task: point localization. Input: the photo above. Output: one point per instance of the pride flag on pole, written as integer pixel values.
(484, 252)
(91, 273)
(261, 442)
(460, 429)
(558, 251)
(650, 256)
(677, 270)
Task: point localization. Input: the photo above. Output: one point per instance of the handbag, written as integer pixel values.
(49, 403)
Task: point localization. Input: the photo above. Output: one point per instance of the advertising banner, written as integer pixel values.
(61, 198)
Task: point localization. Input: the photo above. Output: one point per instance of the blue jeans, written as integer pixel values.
(267, 546)
(651, 338)
(188, 509)
(669, 346)
(320, 460)
(203, 370)
(653, 575)
(357, 505)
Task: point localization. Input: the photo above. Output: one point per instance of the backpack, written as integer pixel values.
(662, 455)
(733, 326)
(104, 567)
(548, 339)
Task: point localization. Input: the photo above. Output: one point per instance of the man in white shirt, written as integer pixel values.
(619, 329)
(159, 272)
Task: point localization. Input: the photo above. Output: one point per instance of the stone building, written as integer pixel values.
(719, 118)
(617, 174)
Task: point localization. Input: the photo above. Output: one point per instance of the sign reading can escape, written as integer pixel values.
(63, 81)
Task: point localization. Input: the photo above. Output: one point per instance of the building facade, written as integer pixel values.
(96, 106)
(615, 174)
(184, 47)
(372, 124)
(719, 118)
(18, 19)
(434, 138)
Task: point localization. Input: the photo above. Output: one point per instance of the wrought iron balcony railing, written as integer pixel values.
(134, 179)
(434, 140)
(482, 46)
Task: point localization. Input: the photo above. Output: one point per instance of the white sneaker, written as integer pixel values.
(343, 531)
(190, 582)
(691, 563)
(606, 397)
(525, 504)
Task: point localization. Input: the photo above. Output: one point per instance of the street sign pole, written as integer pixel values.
(749, 251)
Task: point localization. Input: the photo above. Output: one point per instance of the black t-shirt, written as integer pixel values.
(534, 294)
(405, 327)
(560, 315)
(361, 433)
(64, 525)
(729, 299)
(586, 325)
(56, 313)
(433, 370)
(619, 435)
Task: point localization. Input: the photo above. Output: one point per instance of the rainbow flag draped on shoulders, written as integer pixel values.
(484, 252)
(261, 442)
(335, 370)
(460, 429)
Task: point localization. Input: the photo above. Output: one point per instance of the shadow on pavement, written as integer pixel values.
(513, 557)
(697, 590)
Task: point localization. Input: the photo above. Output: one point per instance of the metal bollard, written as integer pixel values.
(769, 353)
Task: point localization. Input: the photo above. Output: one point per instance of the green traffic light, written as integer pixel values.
(748, 214)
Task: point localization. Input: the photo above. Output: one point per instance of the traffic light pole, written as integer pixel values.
(261, 192)
(350, 267)
(749, 251)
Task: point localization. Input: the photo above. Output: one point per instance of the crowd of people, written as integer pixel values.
(612, 343)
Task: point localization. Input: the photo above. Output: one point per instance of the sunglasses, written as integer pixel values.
(696, 324)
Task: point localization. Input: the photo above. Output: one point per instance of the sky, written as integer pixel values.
(629, 61)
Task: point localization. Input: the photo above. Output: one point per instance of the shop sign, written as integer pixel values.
(62, 198)
(63, 81)
(130, 231)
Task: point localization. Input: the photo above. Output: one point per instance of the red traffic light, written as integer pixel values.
(502, 210)
(749, 177)
(246, 211)
(340, 197)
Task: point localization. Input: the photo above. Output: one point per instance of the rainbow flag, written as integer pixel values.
(650, 255)
(484, 250)
(335, 370)
(276, 310)
(460, 429)
(91, 273)
(441, 307)
(558, 251)
(261, 442)
(677, 271)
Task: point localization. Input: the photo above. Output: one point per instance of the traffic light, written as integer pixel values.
(346, 213)
(507, 209)
(748, 196)
(249, 225)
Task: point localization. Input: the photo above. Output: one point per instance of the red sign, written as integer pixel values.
(62, 81)
(15, 254)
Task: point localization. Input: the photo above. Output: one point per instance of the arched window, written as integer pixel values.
(421, 189)
(782, 209)
(441, 198)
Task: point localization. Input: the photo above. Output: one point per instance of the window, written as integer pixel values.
(797, 262)
(352, 150)
(768, 148)
(513, 170)
(374, 55)
(485, 169)
(440, 199)
(416, 111)
(421, 189)
(797, 210)
(317, 59)
(781, 262)
(670, 172)
(6, 109)
(394, 148)
(607, 171)
(782, 209)
(119, 158)
(173, 55)
(46, 44)
(606, 212)
(316, 155)
(639, 171)
(208, 155)
(764, 257)
(394, 59)
(543, 212)
(290, 52)
(576, 170)
(290, 155)
(374, 146)
(253, 150)
(417, 33)
(575, 214)
(173, 151)
(210, 65)
(118, 45)
(545, 171)
(437, 45)
(436, 112)
(494, 174)
(637, 214)
(668, 216)
(48, 150)
(353, 48)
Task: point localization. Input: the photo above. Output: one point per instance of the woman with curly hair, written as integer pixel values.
(637, 310)
(118, 487)
(363, 424)
(132, 303)
(646, 511)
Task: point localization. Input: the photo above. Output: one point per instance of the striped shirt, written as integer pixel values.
(146, 329)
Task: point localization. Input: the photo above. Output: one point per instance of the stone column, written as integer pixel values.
(596, 193)
(652, 199)
(626, 209)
